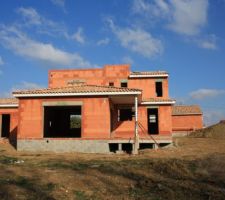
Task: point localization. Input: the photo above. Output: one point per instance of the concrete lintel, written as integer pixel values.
(159, 80)
(62, 103)
(152, 106)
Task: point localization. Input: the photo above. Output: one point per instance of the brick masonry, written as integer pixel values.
(187, 123)
(13, 112)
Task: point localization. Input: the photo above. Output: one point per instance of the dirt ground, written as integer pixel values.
(193, 169)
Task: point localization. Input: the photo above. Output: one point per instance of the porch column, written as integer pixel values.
(136, 136)
(0, 126)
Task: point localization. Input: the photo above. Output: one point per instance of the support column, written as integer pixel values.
(136, 136)
(120, 147)
(0, 126)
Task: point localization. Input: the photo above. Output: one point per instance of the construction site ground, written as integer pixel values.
(193, 168)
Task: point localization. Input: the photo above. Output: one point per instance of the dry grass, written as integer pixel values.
(194, 169)
(215, 131)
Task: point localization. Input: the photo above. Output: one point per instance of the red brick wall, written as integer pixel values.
(13, 118)
(95, 117)
(101, 76)
(187, 122)
(164, 117)
(147, 85)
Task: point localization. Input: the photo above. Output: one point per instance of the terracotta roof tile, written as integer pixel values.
(10, 101)
(150, 73)
(186, 110)
(158, 100)
(79, 88)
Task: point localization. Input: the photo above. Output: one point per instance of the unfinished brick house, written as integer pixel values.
(97, 110)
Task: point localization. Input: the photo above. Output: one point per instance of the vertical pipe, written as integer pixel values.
(136, 138)
(136, 116)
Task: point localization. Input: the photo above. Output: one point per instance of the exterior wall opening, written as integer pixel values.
(153, 124)
(158, 89)
(111, 84)
(125, 114)
(5, 125)
(146, 146)
(113, 147)
(123, 84)
(127, 147)
(62, 121)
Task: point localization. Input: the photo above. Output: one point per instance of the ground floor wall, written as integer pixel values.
(164, 119)
(13, 113)
(95, 116)
(186, 123)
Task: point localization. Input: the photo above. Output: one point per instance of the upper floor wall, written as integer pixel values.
(99, 76)
(152, 85)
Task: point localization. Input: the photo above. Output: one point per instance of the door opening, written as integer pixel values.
(153, 124)
(62, 121)
(5, 125)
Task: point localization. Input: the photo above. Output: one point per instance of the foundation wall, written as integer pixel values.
(63, 145)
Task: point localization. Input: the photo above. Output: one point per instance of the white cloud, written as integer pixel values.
(79, 36)
(104, 41)
(1, 61)
(46, 26)
(59, 3)
(185, 17)
(137, 40)
(206, 93)
(212, 116)
(155, 8)
(162, 5)
(22, 45)
(24, 85)
(30, 15)
(188, 17)
(127, 60)
(208, 42)
(43, 25)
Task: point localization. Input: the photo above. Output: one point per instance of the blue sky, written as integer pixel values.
(185, 38)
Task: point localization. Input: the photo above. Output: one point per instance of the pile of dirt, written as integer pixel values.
(216, 131)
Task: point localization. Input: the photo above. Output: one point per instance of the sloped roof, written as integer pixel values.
(186, 110)
(158, 101)
(149, 74)
(4, 102)
(77, 90)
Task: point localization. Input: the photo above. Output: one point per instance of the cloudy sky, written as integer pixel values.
(184, 37)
